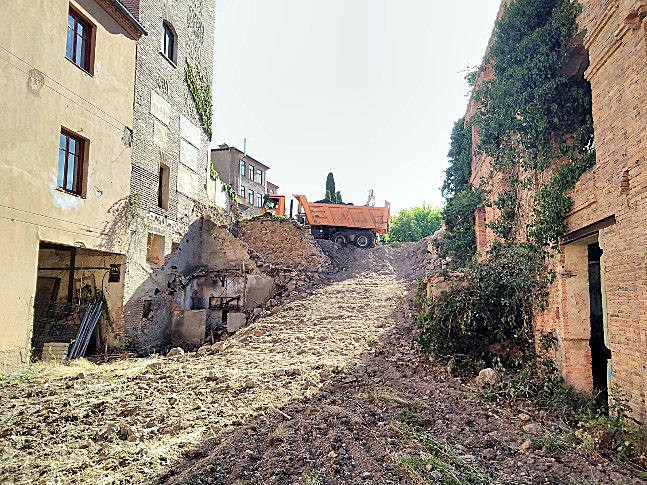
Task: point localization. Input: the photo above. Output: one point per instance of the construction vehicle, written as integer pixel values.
(341, 223)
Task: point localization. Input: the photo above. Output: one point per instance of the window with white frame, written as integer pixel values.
(250, 197)
(259, 176)
(251, 172)
(259, 200)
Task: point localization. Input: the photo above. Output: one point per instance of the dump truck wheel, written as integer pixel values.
(364, 240)
(339, 238)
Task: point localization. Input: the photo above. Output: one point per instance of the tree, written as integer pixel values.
(332, 195)
(414, 224)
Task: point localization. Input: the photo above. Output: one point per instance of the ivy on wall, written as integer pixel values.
(461, 200)
(200, 89)
(531, 117)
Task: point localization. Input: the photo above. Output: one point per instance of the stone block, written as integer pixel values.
(160, 108)
(188, 327)
(235, 321)
(260, 289)
(189, 131)
(187, 181)
(189, 155)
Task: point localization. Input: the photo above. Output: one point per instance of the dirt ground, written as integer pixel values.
(328, 389)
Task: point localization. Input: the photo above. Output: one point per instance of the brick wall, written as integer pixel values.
(167, 130)
(616, 186)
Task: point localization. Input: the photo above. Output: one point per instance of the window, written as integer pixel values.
(242, 168)
(77, 48)
(168, 42)
(250, 197)
(259, 200)
(155, 249)
(71, 153)
(251, 172)
(259, 176)
(241, 191)
(162, 188)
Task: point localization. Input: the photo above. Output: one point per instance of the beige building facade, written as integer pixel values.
(246, 175)
(67, 83)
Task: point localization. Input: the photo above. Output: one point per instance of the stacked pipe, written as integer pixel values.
(89, 322)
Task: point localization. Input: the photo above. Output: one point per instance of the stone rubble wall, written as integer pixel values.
(282, 243)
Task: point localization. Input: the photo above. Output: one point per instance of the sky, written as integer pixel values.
(367, 89)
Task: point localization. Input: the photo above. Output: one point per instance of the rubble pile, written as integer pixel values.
(282, 243)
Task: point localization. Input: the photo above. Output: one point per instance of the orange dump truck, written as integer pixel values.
(342, 223)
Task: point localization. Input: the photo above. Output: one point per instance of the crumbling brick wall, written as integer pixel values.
(281, 242)
(616, 40)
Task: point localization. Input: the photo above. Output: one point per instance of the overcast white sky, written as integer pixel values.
(369, 89)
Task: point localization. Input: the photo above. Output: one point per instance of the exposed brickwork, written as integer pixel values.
(168, 131)
(617, 185)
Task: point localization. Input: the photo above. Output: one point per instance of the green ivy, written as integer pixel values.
(200, 89)
(531, 117)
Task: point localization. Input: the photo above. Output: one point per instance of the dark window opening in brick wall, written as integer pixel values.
(251, 197)
(168, 42)
(77, 48)
(71, 153)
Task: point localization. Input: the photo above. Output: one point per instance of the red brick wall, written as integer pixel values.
(617, 43)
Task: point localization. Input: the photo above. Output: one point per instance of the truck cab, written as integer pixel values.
(274, 204)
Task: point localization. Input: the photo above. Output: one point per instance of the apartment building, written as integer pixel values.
(67, 83)
(246, 175)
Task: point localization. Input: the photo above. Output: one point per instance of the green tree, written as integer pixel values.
(414, 224)
(333, 195)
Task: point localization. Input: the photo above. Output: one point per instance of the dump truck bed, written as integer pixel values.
(375, 219)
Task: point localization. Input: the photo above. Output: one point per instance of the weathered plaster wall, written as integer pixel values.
(43, 91)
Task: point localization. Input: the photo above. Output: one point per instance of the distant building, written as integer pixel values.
(246, 175)
(272, 188)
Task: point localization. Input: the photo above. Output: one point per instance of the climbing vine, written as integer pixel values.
(200, 89)
(532, 116)
(461, 200)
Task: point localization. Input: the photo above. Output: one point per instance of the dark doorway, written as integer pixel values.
(599, 351)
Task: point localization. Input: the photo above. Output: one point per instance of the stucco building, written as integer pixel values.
(246, 175)
(67, 84)
(599, 298)
(170, 185)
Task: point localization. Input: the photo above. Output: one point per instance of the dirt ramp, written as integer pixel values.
(281, 242)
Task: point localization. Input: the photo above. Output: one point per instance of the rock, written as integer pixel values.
(526, 446)
(523, 417)
(80, 375)
(212, 377)
(154, 365)
(250, 384)
(532, 428)
(175, 352)
(258, 332)
(258, 311)
(204, 350)
(218, 347)
(488, 377)
(271, 303)
(489, 453)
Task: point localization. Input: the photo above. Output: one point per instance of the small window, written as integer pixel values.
(241, 191)
(71, 153)
(155, 249)
(168, 42)
(251, 172)
(77, 48)
(259, 176)
(162, 187)
(250, 197)
(242, 168)
(259, 200)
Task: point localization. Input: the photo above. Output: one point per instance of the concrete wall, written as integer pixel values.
(616, 186)
(42, 92)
